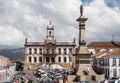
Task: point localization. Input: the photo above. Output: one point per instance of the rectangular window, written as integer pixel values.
(65, 59)
(29, 59)
(59, 51)
(114, 61)
(119, 61)
(35, 59)
(105, 62)
(30, 51)
(40, 59)
(59, 59)
(70, 50)
(52, 51)
(65, 51)
(40, 51)
(47, 51)
(114, 73)
(35, 50)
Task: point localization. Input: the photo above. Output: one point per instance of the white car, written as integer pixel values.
(42, 73)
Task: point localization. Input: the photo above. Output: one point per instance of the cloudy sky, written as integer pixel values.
(29, 18)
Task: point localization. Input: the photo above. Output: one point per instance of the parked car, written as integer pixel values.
(42, 73)
(18, 76)
(50, 73)
(58, 75)
(114, 78)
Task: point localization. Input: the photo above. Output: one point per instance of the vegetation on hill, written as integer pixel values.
(15, 53)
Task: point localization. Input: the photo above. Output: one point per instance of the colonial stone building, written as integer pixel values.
(48, 52)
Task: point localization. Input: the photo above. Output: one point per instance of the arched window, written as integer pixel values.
(30, 59)
(30, 51)
(59, 50)
(49, 33)
(52, 51)
(65, 60)
(47, 51)
(59, 59)
(47, 59)
(35, 59)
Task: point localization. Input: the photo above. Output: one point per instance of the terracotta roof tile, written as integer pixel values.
(115, 52)
(100, 54)
(115, 43)
(101, 44)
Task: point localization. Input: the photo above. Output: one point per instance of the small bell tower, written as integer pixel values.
(50, 32)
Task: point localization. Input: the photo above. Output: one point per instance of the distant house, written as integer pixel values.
(3, 66)
(6, 68)
(109, 61)
(112, 64)
(95, 47)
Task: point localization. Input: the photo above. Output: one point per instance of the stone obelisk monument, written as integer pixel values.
(83, 57)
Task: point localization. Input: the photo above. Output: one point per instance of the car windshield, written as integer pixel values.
(57, 74)
(42, 72)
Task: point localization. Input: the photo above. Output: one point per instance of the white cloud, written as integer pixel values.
(103, 21)
(9, 35)
(29, 18)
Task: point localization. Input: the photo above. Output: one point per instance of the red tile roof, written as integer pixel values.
(100, 54)
(101, 44)
(108, 53)
(115, 52)
(115, 43)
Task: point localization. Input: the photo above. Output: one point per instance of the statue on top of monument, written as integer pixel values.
(81, 10)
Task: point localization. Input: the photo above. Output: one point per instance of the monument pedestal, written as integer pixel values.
(86, 73)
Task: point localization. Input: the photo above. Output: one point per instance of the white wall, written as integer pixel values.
(62, 55)
(32, 48)
(111, 67)
(92, 50)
